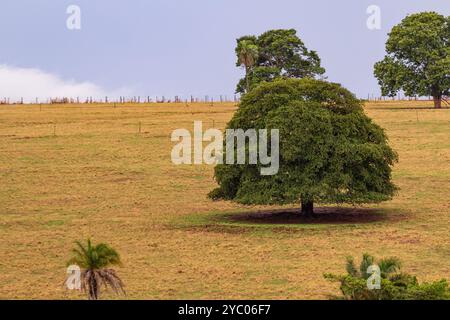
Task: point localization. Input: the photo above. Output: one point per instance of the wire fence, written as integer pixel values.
(179, 99)
(123, 99)
(373, 98)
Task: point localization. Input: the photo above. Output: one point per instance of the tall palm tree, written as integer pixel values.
(94, 261)
(247, 53)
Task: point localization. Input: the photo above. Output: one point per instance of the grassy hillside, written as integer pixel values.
(69, 172)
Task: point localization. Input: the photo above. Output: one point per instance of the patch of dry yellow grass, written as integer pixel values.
(69, 172)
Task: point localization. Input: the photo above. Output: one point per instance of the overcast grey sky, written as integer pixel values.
(176, 47)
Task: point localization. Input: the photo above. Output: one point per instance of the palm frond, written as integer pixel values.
(366, 262)
(389, 266)
(350, 267)
(78, 259)
(111, 279)
(248, 53)
(107, 255)
(82, 248)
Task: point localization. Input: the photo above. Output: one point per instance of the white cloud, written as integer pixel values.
(31, 83)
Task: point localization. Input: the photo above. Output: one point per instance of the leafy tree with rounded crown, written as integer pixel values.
(330, 151)
(94, 261)
(281, 54)
(418, 58)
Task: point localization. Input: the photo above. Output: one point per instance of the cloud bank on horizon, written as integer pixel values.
(30, 84)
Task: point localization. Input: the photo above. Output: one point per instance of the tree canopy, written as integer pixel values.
(280, 54)
(418, 57)
(330, 151)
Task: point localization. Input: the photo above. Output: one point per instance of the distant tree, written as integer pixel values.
(281, 54)
(247, 53)
(418, 58)
(94, 261)
(330, 151)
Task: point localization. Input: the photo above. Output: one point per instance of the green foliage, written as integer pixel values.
(95, 260)
(247, 53)
(257, 75)
(418, 57)
(330, 151)
(281, 54)
(94, 257)
(387, 266)
(395, 285)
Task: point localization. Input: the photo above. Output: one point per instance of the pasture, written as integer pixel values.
(69, 172)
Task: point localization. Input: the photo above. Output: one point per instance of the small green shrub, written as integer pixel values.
(394, 285)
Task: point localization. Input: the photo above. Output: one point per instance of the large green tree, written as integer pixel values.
(281, 54)
(418, 58)
(330, 151)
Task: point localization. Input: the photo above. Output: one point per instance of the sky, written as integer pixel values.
(178, 47)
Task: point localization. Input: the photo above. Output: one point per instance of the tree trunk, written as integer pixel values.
(437, 101)
(93, 289)
(308, 208)
(247, 80)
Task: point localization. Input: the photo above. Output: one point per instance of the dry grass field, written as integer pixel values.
(69, 172)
